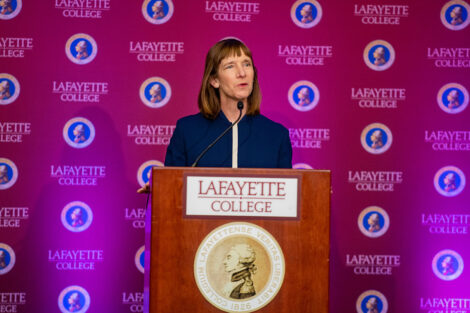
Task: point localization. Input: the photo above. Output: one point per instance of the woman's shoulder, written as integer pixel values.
(267, 124)
(192, 120)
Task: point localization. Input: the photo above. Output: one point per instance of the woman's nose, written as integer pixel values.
(241, 71)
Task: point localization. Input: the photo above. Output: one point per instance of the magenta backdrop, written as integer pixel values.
(70, 220)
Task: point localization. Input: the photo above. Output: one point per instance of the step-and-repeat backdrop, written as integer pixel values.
(376, 91)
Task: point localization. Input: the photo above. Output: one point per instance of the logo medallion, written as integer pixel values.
(447, 265)
(239, 267)
(379, 55)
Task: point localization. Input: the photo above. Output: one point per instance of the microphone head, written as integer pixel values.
(240, 105)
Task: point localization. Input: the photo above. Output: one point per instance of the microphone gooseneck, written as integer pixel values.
(240, 108)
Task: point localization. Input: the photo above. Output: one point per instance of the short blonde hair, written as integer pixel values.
(209, 97)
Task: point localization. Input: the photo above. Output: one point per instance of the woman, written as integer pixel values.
(230, 77)
(255, 141)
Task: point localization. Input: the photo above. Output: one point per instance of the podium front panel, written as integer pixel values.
(175, 239)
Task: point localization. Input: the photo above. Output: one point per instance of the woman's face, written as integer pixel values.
(234, 78)
(231, 261)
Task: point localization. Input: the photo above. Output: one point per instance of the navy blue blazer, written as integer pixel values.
(262, 143)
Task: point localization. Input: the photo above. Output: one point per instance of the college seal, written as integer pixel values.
(239, 267)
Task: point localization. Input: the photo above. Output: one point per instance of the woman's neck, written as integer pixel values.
(231, 110)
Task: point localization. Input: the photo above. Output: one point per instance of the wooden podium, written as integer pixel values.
(174, 240)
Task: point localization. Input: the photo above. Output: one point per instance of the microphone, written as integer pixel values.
(240, 108)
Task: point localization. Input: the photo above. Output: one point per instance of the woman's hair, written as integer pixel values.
(209, 98)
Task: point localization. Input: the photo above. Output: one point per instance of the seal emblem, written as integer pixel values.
(76, 216)
(8, 173)
(454, 14)
(9, 88)
(376, 138)
(239, 267)
(155, 92)
(302, 166)
(306, 13)
(453, 98)
(449, 181)
(303, 95)
(379, 55)
(143, 173)
(7, 258)
(373, 221)
(447, 265)
(157, 12)
(139, 259)
(81, 49)
(74, 299)
(371, 301)
(79, 132)
(10, 8)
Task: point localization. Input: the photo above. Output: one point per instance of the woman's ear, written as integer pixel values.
(214, 82)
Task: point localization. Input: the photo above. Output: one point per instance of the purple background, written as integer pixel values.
(112, 231)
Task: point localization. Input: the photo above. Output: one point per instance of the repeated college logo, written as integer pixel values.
(14, 131)
(155, 92)
(375, 180)
(373, 221)
(446, 224)
(309, 55)
(239, 267)
(76, 216)
(13, 217)
(447, 265)
(7, 258)
(134, 301)
(448, 140)
(381, 14)
(145, 134)
(136, 216)
(74, 299)
(83, 9)
(444, 304)
(373, 264)
(452, 98)
(143, 173)
(79, 91)
(449, 57)
(449, 181)
(454, 14)
(79, 132)
(156, 51)
(378, 98)
(9, 88)
(308, 138)
(376, 138)
(81, 49)
(230, 11)
(157, 12)
(372, 301)
(8, 173)
(303, 96)
(15, 47)
(140, 259)
(306, 13)
(379, 55)
(9, 8)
